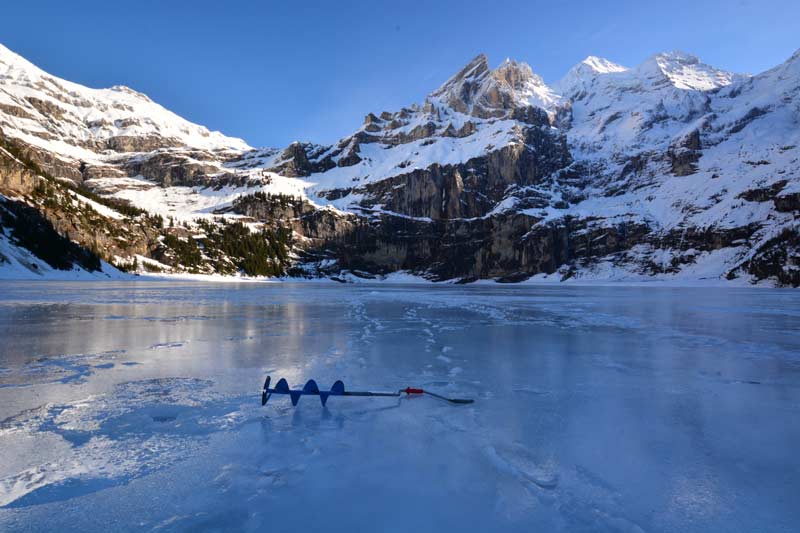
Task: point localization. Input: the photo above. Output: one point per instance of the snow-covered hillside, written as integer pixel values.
(78, 122)
(672, 167)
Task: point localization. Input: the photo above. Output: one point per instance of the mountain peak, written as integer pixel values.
(127, 90)
(678, 56)
(601, 65)
(479, 91)
(515, 74)
(686, 71)
(579, 77)
(477, 68)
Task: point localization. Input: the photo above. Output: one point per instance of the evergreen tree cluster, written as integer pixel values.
(232, 246)
(186, 251)
(272, 202)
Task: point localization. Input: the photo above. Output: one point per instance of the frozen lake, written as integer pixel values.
(137, 406)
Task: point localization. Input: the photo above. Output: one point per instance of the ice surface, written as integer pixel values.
(597, 408)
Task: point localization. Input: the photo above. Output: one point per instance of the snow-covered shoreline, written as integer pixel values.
(397, 278)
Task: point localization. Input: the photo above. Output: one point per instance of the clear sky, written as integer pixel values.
(273, 72)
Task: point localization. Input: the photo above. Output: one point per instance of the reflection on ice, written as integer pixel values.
(598, 409)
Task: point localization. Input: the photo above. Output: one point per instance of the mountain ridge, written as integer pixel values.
(495, 175)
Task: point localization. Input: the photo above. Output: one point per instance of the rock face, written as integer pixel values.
(670, 170)
(15, 178)
(472, 188)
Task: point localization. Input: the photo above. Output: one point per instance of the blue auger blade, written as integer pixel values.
(311, 387)
(282, 387)
(336, 390)
(264, 395)
(295, 396)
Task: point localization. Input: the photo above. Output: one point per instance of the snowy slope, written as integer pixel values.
(85, 119)
(580, 78)
(663, 101)
(622, 111)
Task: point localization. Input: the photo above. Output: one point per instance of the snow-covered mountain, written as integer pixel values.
(482, 92)
(90, 132)
(672, 169)
(63, 117)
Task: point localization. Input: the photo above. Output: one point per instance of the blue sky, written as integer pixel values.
(274, 72)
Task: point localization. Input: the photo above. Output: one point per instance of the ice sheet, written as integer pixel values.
(597, 408)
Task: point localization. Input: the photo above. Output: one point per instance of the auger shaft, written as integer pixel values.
(354, 393)
(451, 400)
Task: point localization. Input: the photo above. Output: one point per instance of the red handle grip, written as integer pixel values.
(409, 390)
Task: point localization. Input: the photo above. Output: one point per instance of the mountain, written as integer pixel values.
(669, 170)
(482, 92)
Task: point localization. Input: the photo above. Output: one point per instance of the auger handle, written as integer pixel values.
(409, 390)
